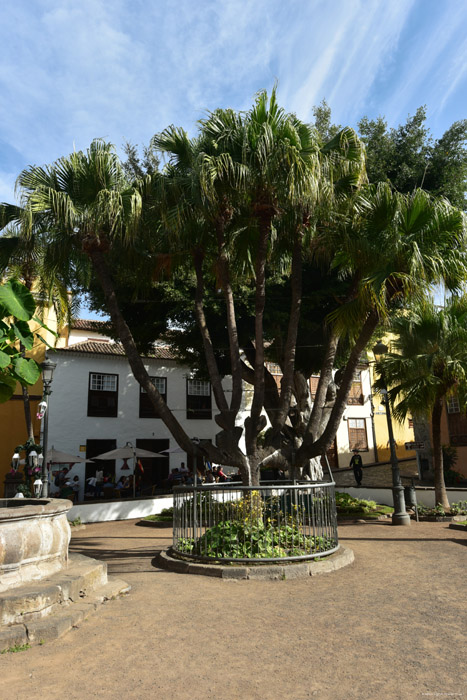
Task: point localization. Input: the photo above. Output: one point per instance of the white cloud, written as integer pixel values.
(72, 71)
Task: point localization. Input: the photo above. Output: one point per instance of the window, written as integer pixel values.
(198, 400)
(103, 395)
(356, 392)
(276, 372)
(453, 404)
(146, 409)
(314, 380)
(357, 434)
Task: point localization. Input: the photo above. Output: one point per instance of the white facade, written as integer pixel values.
(360, 412)
(70, 427)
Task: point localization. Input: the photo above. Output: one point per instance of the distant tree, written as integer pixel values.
(322, 123)
(408, 156)
(137, 166)
(428, 363)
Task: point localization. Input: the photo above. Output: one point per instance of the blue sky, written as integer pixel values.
(123, 70)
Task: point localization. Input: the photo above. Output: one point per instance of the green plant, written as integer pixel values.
(75, 522)
(234, 539)
(25, 490)
(349, 505)
(17, 307)
(459, 508)
(16, 648)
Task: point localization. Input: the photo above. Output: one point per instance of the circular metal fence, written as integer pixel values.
(268, 523)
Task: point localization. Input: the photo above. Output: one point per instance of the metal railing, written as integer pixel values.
(278, 521)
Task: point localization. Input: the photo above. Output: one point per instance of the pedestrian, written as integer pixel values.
(356, 463)
(75, 487)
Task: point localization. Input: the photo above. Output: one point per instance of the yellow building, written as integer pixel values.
(402, 432)
(13, 430)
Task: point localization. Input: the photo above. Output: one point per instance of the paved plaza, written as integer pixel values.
(390, 626)
(377, 476)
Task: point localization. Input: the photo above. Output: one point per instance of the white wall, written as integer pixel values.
(361, 411)
(70, 426)
(118, 510)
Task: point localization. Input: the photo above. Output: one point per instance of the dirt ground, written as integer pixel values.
(390, 626)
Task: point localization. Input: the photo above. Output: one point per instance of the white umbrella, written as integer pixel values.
(173, 451)
(127, 452)
(57, 457)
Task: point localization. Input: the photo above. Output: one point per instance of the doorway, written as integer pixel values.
(156, 469)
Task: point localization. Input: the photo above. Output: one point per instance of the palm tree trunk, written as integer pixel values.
(292, 332)
(441, 497)
(313, 448)
(102, 274)
(253, 424)
(325, 377)
(213, 370)
(234, 345)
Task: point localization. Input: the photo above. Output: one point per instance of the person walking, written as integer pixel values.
(356, 463)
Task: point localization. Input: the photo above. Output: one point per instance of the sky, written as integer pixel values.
(124, 70)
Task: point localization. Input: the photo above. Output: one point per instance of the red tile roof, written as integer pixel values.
(99, 347)
(82, 324)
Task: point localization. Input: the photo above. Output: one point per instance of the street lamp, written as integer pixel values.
(47, 375)
(400, 515)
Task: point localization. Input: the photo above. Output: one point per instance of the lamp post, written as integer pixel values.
(400, 515)
(47, 375)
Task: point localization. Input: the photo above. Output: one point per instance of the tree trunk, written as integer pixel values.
(230, 453)
(288, 367)
(234, 346)
(103, 276)
(314, 448)
(254, 424)
(441, 497)
(325, 377)
(206, 338)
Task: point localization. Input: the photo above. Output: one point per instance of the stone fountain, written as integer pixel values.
(43, 591)
(34, 539)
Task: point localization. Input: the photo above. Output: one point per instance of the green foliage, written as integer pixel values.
(165, 516)
(245, 540)
(459, 508)
(17, 307)
(346, 504)
(16, 648)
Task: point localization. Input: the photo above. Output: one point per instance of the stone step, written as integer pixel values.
(38, 599)
(62, 619)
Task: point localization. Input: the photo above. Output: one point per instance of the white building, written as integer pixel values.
(97, 405)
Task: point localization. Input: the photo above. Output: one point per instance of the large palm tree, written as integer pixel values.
(90, 210)
(392, 248)
(427, 364)
(247, 186)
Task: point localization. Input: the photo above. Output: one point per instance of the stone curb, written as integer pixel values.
(268, 572)
(48, 609)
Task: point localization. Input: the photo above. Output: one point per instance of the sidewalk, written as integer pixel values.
(380, 475)
(390, 627)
